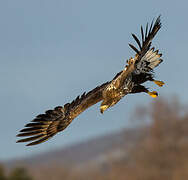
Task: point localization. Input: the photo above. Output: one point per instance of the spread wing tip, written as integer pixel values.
(46, 125)
(42, 128)
(146, 37)
(41, 139)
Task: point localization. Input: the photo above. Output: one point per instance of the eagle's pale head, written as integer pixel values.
(108, 103)
(103, 108)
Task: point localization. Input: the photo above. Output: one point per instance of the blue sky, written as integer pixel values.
(52, 51)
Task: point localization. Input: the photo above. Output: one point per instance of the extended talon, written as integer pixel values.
(153, 94)
(159, 83)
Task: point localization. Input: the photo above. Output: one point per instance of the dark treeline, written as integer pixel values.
(15, 174)
(160, 153)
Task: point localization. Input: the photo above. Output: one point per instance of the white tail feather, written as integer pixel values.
(149, 61)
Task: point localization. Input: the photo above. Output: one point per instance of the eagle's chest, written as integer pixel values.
(113, 91)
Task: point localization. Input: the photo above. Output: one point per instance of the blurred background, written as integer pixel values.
(53, 51)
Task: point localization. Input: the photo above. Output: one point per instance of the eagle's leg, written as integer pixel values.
(159, 83)
(143, 77)
(139, 88)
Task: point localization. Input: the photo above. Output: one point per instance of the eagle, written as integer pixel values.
(137, 71)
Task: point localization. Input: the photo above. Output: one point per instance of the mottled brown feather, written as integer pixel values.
(45, 126)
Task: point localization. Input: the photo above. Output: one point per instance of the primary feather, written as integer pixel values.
(45, 126)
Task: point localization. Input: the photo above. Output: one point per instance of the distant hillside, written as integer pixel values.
(156, 151)
(94, 150)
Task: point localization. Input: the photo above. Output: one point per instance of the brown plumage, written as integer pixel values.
(44, 126)
(138, 70)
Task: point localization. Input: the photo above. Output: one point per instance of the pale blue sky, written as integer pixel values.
(52, 51)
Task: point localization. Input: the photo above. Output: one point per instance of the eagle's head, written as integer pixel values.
(108, 103)
(103, 108)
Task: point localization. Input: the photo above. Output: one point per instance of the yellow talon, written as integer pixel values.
(159, 83)
(153, 94)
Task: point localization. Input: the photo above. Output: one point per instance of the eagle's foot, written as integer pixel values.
(153, 94)
(159, 83)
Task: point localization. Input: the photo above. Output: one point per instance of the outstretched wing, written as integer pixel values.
(146, 57)
(45, 126)
(145, 43)
(143, 54)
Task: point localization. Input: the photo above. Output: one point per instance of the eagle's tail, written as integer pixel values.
(144, 69)
(148, 62)
(152, 59)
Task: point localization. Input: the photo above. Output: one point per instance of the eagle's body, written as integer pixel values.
(137, 71)
(118, 88)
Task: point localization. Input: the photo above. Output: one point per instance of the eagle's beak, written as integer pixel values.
(103, 108)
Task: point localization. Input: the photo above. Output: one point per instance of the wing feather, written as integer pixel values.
(137, 40)
(31, 138)
(142, 33)
(146, 32)
(45, 126)
(150, 29)
(134, 48)
(146, 38)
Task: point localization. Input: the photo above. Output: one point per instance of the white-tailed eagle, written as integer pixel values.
(130, 80)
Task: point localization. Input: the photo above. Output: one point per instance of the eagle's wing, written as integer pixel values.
(146, 57)
(145, 44)
(44, 126)
(144, 53)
